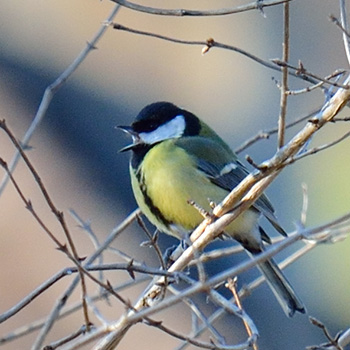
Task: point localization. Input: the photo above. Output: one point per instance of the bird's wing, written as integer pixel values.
(223, 169)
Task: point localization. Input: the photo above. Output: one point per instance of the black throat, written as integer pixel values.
(138, 153)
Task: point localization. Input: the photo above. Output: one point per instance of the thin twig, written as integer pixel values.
(210, 43)
(152, 241)
(337, 73)
(69, 271)
(58, 214)
(318, 149)
(52, 89)
(284, 86)
(94, 239)
(266, 134)
(55, 345)
(199, 343)
(344, 24)
(37, 325)
(61, 301)
(303, 73)
(231, 285)
(121, 327)
(339, 25)
(305, 205)
(333, 342)
(256, 5)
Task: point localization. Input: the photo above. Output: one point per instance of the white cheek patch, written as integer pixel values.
(174, 128)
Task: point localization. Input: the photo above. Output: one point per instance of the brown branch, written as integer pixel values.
(61, 301)
(55, 345)
(336, 21)
(58, 214)
(210, 43)
(37, 325)
(231, 285)
(333, 341)
(52, 89)
(302, 72)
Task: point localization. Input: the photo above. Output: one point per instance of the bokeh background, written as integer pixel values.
(75, 149)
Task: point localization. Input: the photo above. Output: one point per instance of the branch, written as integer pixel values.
(145, 307)
(37, 325)
(339, 342)
(61, 301)
(51, 91)
(210, 43)
(230, 208)
(73, 255)
(284, 86)
(68, 271)
(276, 163)
(344, 25)
(256, 5)
(318, 149)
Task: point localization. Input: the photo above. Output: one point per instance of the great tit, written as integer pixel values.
(177, 158)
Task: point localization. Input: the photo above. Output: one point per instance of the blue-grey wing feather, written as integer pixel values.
(229, 176)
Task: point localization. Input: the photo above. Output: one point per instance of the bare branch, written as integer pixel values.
(334, 342)
(210, 43)
(284, 86)
(118, 330)
(61, 301)
(256, 5)
(59, 216)
(37, 325)
(154, 299)
(250, 189)
(51, 91)
(69, 338)
(231, 285)
(318, 149)
(328, 112)
(344, 25)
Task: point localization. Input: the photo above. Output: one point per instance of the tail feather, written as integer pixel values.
(281, 288)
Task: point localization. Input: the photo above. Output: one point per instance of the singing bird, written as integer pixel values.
(177, 158)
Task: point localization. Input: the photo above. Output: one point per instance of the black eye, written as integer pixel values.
(146, 125)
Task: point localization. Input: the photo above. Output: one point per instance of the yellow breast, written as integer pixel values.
(171, 179)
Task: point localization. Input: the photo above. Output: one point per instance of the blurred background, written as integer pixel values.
(75, 149)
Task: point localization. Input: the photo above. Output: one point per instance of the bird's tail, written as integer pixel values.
(281, 288)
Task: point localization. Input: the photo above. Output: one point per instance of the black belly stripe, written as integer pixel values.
(148, 201)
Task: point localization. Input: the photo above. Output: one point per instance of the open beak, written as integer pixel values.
(135, 138)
